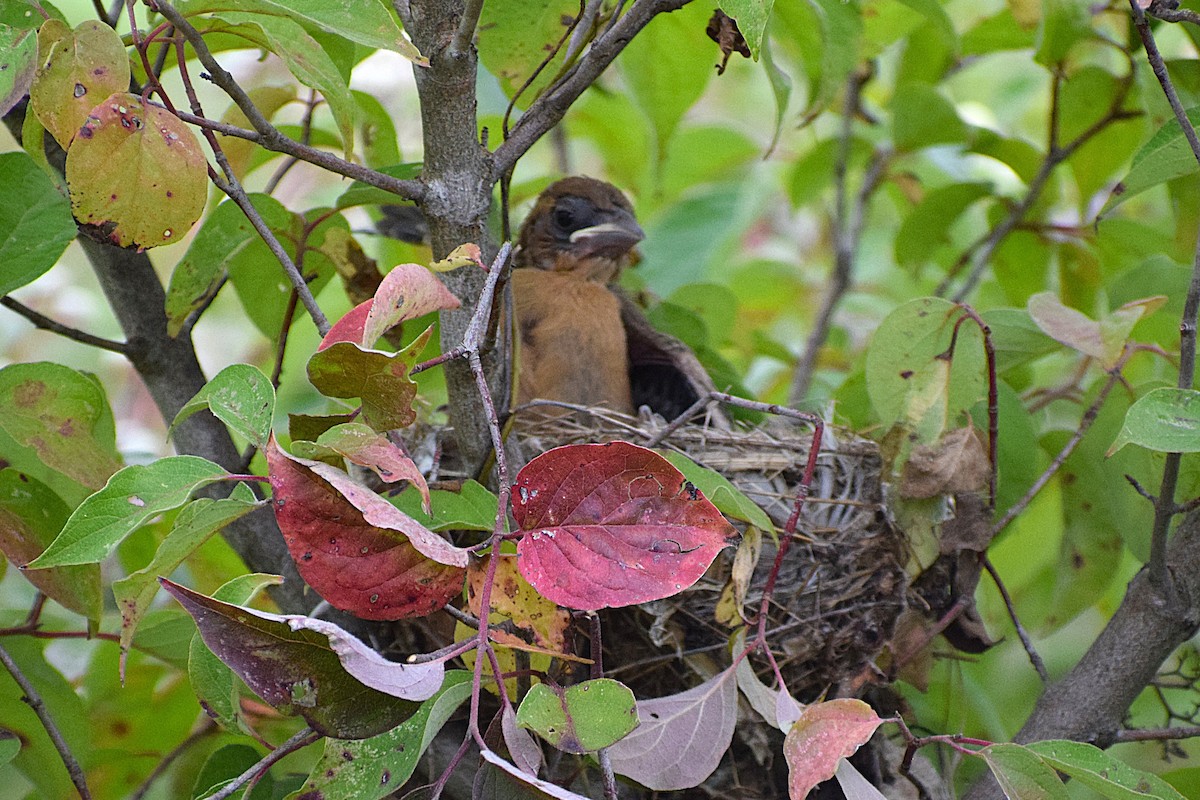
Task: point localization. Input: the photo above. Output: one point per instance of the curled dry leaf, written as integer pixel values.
(608, 525)
(957, 463)
(358, 551)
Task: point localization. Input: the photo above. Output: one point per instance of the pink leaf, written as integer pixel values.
(406, 681)
(367, 562)
(681, 738)
(609, 525)
(407, 292)
(824, 733)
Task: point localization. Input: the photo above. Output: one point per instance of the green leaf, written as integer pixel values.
(905, 348)
(303, 56)
(728, 499)
(10, 745)
(225, 234)
(1016, 338)
(31, 515)
(379, 379)
(364, 21)
(132, 497)
(226, 763)
(363, 194)
(824, 36)
(1165, 157)
(472, 508)
(927, 227)
(922, 117)
(259, 278)
(35, 222)
(62, 415)
(667, 67)
(1022, 774)
(194, 525)
(583, 718)
(377, 131)
(1102, 773)
(1164, 419)
(516, 36)
(751, 17)
(241, 397)
(136, 173)
(370, 769)
(781, 88)
(19, 46)
(1063, 24)
(80, 68)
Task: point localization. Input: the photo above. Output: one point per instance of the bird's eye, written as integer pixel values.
(564, 218)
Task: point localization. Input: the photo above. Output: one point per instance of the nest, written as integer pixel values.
(841, 587)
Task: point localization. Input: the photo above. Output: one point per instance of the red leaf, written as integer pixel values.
(610, 525)
(825, 733)
(350, 327)
(361, 554)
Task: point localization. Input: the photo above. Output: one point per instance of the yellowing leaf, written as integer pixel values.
(137, 174)
(79, 69)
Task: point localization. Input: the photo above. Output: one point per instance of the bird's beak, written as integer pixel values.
(613, 238)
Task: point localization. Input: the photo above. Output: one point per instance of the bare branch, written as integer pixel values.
(1164, 507)
(45, 323)
(550, 107)
(266, 134)
(34, 700)
(1022, 634)
(299, 741)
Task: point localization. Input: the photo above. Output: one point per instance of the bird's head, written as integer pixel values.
(580, 225)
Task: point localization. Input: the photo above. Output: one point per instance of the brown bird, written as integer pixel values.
(576, 240)
(581, 340)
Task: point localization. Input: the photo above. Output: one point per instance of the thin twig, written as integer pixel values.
(45, 323)
(847, 228)
(299, 741)
(1165, 508)
(980, 258)
(266, 134)
(1160, 10)
(232, 187)
(1157, 734)
(1085, 422)
(34, 700)
(207, 727)
(1026, 640)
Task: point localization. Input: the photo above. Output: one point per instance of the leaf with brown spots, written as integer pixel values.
(357, 550)
(136, 173)
(63, 416)
(79, 69)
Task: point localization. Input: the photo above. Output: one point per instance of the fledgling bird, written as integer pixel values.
(577, 239)
(582, 340)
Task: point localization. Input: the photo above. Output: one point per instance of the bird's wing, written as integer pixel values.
(664, 373)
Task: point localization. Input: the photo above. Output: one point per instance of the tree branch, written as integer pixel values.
(1090, 703)
(34, 701)
(546, 112)
(45, 323)
(267, 135)
(1164, 507)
